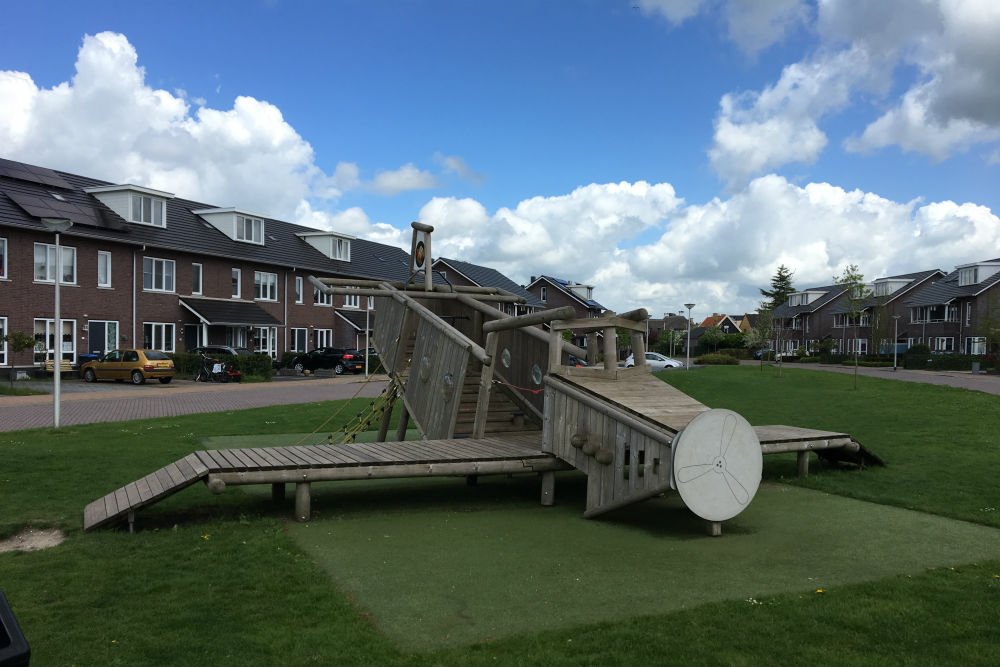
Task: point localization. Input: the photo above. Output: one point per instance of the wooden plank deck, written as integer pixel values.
(275, 465)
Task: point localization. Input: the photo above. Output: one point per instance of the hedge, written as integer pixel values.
(249, 364)
(716, 360)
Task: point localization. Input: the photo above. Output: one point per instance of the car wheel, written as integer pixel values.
(299, 368)
(137, 377)
(338, 369)
(89, 375)
(165, 380)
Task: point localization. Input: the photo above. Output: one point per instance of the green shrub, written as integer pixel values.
(716, 360)
(809, 360)
(248, 364)
(736, 352)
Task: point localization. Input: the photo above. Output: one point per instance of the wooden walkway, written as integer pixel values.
(303, 465)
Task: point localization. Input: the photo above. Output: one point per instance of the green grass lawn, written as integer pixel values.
(416, 572)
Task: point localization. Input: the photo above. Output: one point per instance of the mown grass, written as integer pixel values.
(220, 580)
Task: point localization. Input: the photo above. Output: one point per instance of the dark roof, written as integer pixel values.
(915, 279)
(356, 318)
(672, 322)
(484, 276)
(751, 318)
(23, 197)
(830, 292)
(947, 289)
(565, 286)
(229, 312)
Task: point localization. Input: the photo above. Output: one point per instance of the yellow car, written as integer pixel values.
(134, 365)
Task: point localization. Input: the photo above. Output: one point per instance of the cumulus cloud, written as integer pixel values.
(407, 177)
(865, 52)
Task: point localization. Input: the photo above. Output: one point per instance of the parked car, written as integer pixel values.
(373, 358)
(134, 365)
(655, 361)
(339, 359)
(214, 350)
(576, 361)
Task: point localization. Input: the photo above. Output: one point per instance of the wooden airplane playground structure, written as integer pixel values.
(492, 393)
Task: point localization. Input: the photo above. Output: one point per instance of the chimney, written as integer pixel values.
(533, 278)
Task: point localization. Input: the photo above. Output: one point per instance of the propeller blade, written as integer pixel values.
(693, 472)
(726, 437)
(739, 491)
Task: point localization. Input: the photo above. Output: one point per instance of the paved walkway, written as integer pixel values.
(989, 384)
(83, 403)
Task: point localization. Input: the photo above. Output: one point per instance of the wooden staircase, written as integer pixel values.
(504, 416)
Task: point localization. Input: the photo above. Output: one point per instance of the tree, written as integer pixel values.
(760, 335)
(668, 341)
(856, 295)
(781, 288)
(17, 341)
(713, 336)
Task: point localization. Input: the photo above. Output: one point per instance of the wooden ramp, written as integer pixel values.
(306, 464)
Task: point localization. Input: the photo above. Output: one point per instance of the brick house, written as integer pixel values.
(457, 272)
(557, 292)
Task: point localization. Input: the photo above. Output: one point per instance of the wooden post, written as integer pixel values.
(278, 493)
(638, 349)
(485, 387)
(713, 528)
(383, 427)
(555, 349)
(404, 421)
(610, 350)
(548, 489)
(592, 348)
(302, 501)
(802, 458)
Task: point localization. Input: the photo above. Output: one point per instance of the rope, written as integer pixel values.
(514, 386)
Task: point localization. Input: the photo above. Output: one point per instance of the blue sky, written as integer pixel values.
(662, 151)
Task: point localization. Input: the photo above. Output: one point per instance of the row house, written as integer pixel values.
(141, 267)
(557, 292)
(953, 313)
(799, 322)
(457, 272)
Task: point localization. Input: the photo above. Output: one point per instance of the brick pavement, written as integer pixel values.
(114, 402)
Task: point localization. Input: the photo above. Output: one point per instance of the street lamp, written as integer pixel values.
(895, 339)
(687, 352)
(57, 225)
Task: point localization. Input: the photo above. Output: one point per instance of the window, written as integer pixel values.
(237, 279)
(148, 210)
(968, 276)
(793, 300)
(236, 336)
(300, 338)
(3, 343)
(371, 303)
(340, 249)
(195, 278)
(157, 274)
(249, 229)
(298, 289)
(543, 295)
(158, 336)
(3, 258)
(45, 340)
(352, 300)
(324, 337)
(265, 340)
(322, 298)
(975, 345)
(103, 268)
(265, 286)
(943, 344)
(45, 264)
(968, 313)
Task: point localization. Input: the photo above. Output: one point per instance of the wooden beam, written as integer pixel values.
(451, 332)
(541, 335)
(539, 317)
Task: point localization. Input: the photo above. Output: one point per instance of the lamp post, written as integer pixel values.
(895, 339)
(57, 225)
(687, 352)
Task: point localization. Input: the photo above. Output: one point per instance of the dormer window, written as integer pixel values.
(340, 249)
(333, 245)
(968, 276)
(148, 210)
(249, 229)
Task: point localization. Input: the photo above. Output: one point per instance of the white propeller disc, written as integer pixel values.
(716, 464)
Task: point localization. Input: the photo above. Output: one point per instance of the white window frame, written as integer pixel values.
(968, 276)
(237, 285)
(197, 270)
(48, 351)
(321, 299)
(296, 333)
(105, 257)
(158, 333)
(944, 344)
(975, 345)
(298, 289)
(265, 286)
(157, 208)
(50, 260)
(324, 337)
(159, 267)
(371, 303)
(265, 340)
(255, 226)
(3, 343)
(236, 336)
(968, 313)
(3, 258)
(352, 300)
(340, 249)
(543, 293)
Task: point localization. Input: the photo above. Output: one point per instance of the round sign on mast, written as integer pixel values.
(716, 464)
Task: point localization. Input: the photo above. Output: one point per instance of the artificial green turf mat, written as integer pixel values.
(437, 563)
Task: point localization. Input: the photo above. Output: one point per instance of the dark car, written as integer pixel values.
(339, 359)
(213, 350)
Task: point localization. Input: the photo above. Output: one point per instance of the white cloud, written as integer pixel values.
(456, 164)
(675, 11)
(407, 177)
